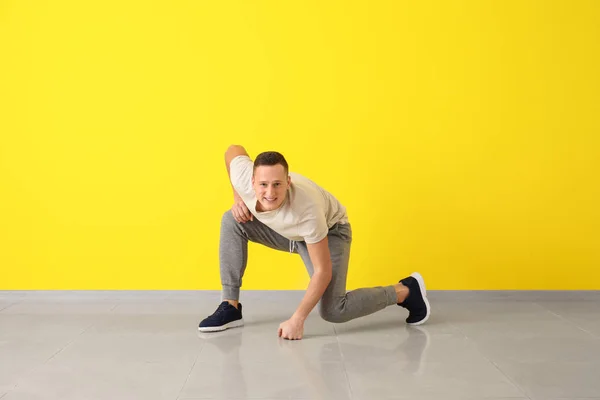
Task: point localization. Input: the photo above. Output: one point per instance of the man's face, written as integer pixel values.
(270, 184)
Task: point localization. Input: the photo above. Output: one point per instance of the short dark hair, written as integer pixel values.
(271, 158)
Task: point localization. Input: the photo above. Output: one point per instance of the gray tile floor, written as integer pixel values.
(145, 345)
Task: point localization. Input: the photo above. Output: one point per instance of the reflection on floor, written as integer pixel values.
(145, 345)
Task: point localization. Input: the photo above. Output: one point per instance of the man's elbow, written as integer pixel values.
(233, 151)
(234, 148)
(328, 277)
(325, 273)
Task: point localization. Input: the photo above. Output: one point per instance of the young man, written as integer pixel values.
(289, 212)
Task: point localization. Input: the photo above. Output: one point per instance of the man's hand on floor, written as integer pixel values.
(292, 329)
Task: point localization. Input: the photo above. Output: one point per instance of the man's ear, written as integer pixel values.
(289, 181)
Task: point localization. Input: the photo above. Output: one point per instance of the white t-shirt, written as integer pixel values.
(307, 213)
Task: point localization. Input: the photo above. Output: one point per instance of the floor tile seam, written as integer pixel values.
(22, 375)
(4, 308)
(563, 318)
(488, 359)
(510, 379)
(34, 368)
(189, 373)
(343, 362)
(69, 343)
(261, 362)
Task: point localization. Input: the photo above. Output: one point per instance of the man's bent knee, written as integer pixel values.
(334, 314)
(227, 219)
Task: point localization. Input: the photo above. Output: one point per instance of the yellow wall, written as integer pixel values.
(462, 137)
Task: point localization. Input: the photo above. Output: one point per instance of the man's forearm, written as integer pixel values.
(317, 286)
(236, 196)
(231, 153)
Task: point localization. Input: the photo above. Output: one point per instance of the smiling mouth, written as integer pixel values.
(270, 200)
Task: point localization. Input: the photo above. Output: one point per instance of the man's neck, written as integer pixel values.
(258, 206)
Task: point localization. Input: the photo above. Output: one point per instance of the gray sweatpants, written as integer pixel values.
(336, 305)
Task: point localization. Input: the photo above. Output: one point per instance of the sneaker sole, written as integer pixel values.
(232, 324)
(421, 283)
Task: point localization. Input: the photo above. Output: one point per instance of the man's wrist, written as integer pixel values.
(299, 317)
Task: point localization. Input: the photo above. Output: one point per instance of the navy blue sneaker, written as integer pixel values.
(416, 302)
(226, 316)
